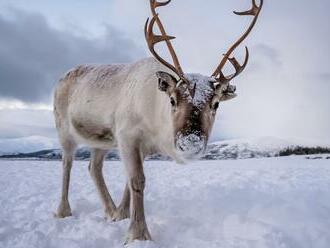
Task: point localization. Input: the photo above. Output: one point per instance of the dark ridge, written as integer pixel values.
(300, 150)
(51, 154)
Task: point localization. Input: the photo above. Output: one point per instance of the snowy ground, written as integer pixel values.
(257, 203)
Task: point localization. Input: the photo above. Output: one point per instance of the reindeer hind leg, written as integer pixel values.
(64, 209)
(122, 212)
(95, 170)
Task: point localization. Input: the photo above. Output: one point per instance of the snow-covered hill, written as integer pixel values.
(261, 148)
(247, 148)
(256, 203)
(230, 149)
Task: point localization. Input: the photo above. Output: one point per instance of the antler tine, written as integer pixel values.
(157, 4)
(254, 11)
(151, 38)
(238, 67)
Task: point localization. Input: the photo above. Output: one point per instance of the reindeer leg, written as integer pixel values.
(95, 169)
(122, 212)
(64, 209)
(136, 182)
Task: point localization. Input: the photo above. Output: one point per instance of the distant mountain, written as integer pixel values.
(231, 149)
(246, 148)
(260, 148)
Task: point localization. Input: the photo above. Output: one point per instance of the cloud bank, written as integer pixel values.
(33, 55)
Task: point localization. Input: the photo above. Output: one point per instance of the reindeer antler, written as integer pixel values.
(153, 39)
(218, 74)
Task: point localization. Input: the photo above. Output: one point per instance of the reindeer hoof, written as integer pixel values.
(138, 230)
(120, 214)
(109, 214)
(63, 211)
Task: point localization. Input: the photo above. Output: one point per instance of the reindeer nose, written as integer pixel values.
(180, 147)
(190, 145)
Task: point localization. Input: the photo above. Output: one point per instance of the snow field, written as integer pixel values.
(256, 203)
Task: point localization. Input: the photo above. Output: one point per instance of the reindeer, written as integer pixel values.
(142, 108)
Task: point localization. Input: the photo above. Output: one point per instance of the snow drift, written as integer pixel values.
(256, 203)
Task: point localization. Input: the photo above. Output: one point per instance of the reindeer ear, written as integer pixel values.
(227, 96)
(226, 92)
(166, 82)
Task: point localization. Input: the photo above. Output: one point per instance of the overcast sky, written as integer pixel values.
(284, 92)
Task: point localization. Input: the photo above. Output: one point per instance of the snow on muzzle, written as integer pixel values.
(190, 146)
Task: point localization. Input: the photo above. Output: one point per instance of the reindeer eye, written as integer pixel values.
(172, 101)
(216, 106)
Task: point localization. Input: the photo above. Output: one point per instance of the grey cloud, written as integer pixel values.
(324, 77)
(318, 79)
(33, 55)
(269, 52)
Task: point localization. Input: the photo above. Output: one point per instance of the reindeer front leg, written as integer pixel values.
(132, 159)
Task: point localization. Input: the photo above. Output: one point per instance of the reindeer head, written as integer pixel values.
(195, 98)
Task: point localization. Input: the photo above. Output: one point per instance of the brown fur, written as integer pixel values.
(93, 132)
(188, 118)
